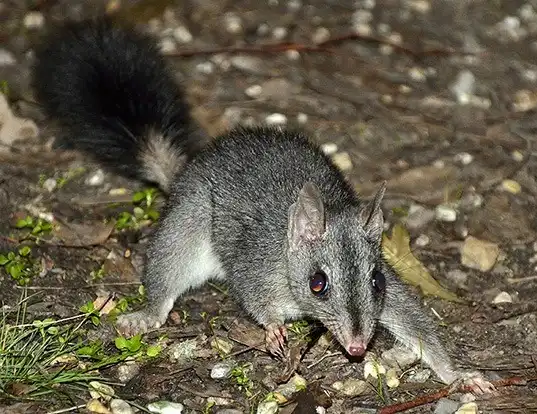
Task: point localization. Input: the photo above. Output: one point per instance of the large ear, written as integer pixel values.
(371, 216)
(306, 217)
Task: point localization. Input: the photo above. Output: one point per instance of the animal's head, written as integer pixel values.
(334, 262)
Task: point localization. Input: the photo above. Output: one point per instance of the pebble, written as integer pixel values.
(399, 357)
(361, 16)
(118, 406)
(463, 87)
(422, 240)
(350, 387)
(417, 74)
(329, 148)
(458, 277)
(295, 384)
(7, 58)
(221, 370)
(342, 161)
(95, 179)
(320, 409)
(167, 45)
(165, 407)
(420, 6)
(183, 351)
(471, 201)
(363, 29)
(253, 91)
(468, 408)
(517, 156)
(420, 376)
(127, 371)
(392, 379)
(302, 118)
(50, 184)
(510, 27)
(418, 217)
(294, 5)
(221, 345)
(100, 390)
(182, 35)
(292, 54)
(502, 297)
(446, 406)
(524, 100)
(445, 213)
(527, 12)
(464, 158)
(205, 67)
(276, 119)
(279, 33)
(479, 254)
(233, 23)
(97, 407)
(511, 186)
(248, 64)
(34, 20)
(320, 35)
(373, 369)
(267, 407)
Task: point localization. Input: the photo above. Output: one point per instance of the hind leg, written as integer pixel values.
(180, 257)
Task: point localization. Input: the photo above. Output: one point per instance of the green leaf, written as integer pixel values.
(121, 343)
(135, 343)
(138, 196)
(153, 350)
(25, 251)
(21, 223)
(3, 260)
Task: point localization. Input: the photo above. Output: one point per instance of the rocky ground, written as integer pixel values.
(438, 98)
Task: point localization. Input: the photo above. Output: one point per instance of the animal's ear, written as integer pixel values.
(371, 216)
(306, 217)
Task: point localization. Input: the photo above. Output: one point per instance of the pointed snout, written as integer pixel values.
(356, 347)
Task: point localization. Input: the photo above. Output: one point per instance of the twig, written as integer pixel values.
(427, 399)
(328, 355)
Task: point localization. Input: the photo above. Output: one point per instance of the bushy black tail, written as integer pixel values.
(111, 90)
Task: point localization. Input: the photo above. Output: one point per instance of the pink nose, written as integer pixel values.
(356, 348)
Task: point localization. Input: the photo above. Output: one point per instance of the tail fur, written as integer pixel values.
(111, 90)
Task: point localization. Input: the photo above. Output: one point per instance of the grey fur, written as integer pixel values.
(264, 209)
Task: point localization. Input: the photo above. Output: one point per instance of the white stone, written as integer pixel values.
(182, 35)
(267, 407)
(165, 407)
(276, 119)
(233, 23)
(7, 58)
(50, 184)
(502, 297)
(34, 20)
(445, 213)
(302, 118)
(253, 91)
(118, 406)
(95, 179)
(464, 158)
(279, 33)
(167, 45)
(464, 86)
(329, 148)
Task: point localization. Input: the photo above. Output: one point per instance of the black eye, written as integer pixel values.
(319, 283)
(379, 281)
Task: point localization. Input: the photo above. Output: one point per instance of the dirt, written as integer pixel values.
(385, 98)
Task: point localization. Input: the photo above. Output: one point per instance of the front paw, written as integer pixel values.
(474, 382)
(275, 339)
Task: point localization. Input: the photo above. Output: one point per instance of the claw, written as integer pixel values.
(275, 339)
(475, 382)
(135, 323)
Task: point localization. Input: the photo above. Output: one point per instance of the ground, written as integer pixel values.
(437, 98)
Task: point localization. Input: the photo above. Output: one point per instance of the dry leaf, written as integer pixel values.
(398, 255)
(81, 235)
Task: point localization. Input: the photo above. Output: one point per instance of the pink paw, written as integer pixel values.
(474, 382)
(275, 338)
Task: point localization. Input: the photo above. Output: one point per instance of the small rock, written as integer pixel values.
(373, 369)
(479, 254)
(363, 29)
(233, 23)
(95, 406)
(362, 16)
(510, 27)
(267, 407)
(276, 119)
(220, 401)
(253, 91)
(350, 387)
(120, 407)
(458, 277)
(464, 86)
(464, 158)
(420, 6)
(511, 186)
(471, 201)
(294, 5)
(392, 379)
(420, 376)
(221, 370)
(418, 217)
(342, 161)
(527, 12)
(399, 357)
(182, 35)
(50, 184)
(468, 408)
(417, 74)
(248, 64)
(292, 54)
(446, 406)
(279, 33)
(127, 371)
(165, 407)
(34, 20)
(517, 156)
(205, 67)
(329, 148)
(302, 118)
(294, 385)
(446, 213)
(320, 410)
(167, 45)
(502, 297)
(7, 58)
(321, 35)
(183, 351)
(524, 100)
(221, 345)
(95, 179)
(100, 390)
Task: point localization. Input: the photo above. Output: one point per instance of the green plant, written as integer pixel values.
(143, 211)
(4, 87)
(97, 274)
(20, 265)
(239, 376)
(37, 226)
(48, 359)
(301, 329)
(69, 175)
